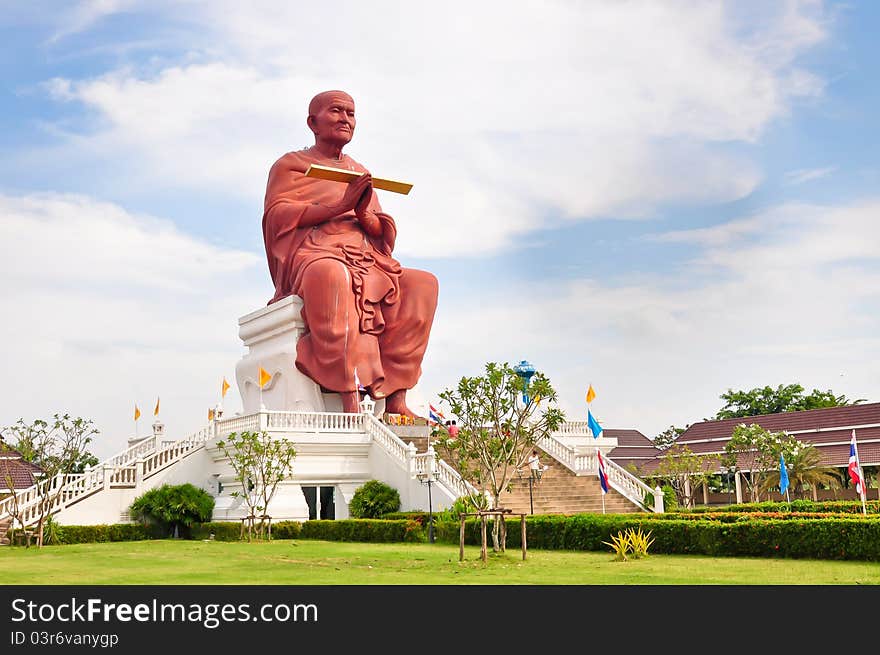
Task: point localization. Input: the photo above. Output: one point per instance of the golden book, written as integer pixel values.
(342, 175)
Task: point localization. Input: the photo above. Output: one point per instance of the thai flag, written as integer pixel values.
(435, 414)
(855, 469)
(603, 476)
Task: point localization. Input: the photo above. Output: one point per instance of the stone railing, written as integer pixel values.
(275, 421)
(574, 428)
(382, 435)
(427, 464)
(237, 424)
(417, 464)
(124, 470)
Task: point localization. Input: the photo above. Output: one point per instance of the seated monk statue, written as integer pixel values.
(367, 318)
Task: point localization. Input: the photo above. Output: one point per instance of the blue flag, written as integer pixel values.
(783, 475)
(593, 424)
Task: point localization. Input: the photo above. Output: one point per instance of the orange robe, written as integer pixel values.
(367, 313)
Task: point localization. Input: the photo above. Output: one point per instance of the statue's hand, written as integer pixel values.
(360, 209)
(355, 193)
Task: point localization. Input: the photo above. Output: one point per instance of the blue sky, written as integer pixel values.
(662, 199)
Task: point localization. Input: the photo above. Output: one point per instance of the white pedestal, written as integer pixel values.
(270, 335)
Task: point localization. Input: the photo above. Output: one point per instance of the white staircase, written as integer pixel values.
(130, 469)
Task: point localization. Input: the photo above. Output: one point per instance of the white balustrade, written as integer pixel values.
(622, 480)
(120, 470)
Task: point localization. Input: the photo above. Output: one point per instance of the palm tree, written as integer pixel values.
(805, 472)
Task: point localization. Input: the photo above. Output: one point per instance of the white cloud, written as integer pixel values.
(109, 311)
(500, 120)
(803, 175)
(105, 309)
(792, 303)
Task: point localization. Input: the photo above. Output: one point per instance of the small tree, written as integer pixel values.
(260, 463)
(174, 507)
(59, 448)
(373, 500)
(8, 481)
(497, 429)
(756, 450)
(685, 472)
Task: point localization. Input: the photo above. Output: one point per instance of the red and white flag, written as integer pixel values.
(855, 468)
(603, 476)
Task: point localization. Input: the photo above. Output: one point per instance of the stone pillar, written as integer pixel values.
(739, 489)
(658, 500)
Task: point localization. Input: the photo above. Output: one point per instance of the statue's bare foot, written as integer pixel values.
(350, 400)
(395, 403)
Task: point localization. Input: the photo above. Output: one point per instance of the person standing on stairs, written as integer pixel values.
(535, 468)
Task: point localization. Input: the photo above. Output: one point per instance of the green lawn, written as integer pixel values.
(307, 562)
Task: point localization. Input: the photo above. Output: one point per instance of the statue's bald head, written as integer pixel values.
(326, 97)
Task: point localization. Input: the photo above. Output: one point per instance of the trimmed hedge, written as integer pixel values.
(368, 530)
(815, 535)
(88, 534)
(230, 530)
(797, 506)
(831, 538)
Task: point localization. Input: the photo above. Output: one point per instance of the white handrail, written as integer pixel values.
(619, 478)
(118, 470)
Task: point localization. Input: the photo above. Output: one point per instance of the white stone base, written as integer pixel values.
(270, 334)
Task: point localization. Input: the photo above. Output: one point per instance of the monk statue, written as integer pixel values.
(367, 319)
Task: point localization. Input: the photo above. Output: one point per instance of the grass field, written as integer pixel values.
(307, 562)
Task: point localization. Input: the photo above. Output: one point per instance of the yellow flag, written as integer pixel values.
(264, 377)
(590, 394)
(210, 413)
(224, 388)
(137, 412)
(156, 411)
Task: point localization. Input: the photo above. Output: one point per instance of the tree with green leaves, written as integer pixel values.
(174, 507)
(497, 429)
(259, 463)
(58, 447)
(685, 472)
(756, 451)
(788, 398)
(667, 438)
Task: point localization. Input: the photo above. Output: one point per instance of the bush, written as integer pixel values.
(174, 507)
(373, 500)
(670, 500)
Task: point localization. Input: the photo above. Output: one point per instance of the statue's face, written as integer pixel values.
(334, 119)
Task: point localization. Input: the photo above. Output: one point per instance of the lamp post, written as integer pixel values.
(525, 371)
(727, 474)
(531, 482)
(428, 477)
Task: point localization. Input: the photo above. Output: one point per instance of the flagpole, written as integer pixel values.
(864, 491)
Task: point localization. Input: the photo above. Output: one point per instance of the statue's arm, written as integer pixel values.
(307, 214)
(367, 211)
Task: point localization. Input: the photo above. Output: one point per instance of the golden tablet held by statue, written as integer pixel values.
(367, 318)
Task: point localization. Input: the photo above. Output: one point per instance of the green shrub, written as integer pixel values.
(670, 500)
(174, 507)
(373, 500)
(368, 530)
